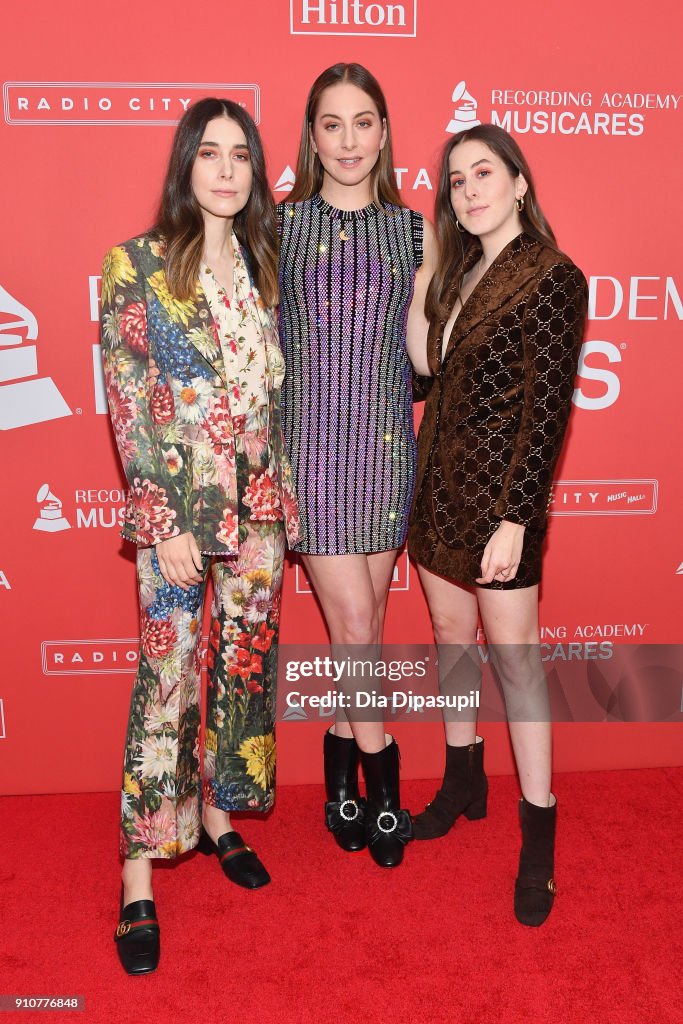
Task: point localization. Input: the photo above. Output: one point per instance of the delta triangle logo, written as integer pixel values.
(295, 713)
(285, 182)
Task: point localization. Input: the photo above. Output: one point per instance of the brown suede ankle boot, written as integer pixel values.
(464, 790)
(535, 886)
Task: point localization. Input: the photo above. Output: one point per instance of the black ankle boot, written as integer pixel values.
(387, 827)
(345, 808)
(535, 886)
(464, 790)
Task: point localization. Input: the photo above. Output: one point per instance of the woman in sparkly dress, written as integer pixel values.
(193, 370)
(354, 268)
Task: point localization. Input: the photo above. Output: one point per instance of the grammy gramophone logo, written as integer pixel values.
(465, 111)
(50, 518)
(24, 396)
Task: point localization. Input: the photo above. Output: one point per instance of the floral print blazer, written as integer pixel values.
(167, 390)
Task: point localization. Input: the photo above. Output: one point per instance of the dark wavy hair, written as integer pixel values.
(309, 170)
(179, 218)
(454, 244)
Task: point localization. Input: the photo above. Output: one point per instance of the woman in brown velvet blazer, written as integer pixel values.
(507, 313)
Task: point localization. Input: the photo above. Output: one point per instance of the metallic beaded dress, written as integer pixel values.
(346, 281)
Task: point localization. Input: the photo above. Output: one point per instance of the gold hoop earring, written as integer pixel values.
(520, 203)
(459, 226)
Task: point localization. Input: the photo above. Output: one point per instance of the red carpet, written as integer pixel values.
(335, 938)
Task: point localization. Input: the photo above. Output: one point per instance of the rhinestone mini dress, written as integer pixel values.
(346, 282)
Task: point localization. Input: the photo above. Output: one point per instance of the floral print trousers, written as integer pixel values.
(162, 794)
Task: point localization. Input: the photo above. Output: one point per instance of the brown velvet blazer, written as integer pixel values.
(496, 415)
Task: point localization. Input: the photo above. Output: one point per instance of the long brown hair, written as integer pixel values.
(454, 244)
(309, 170)
(179, 219)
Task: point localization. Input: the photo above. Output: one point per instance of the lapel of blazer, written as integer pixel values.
(193, 318)
(202, 331)
(509, 273)
(435, 335)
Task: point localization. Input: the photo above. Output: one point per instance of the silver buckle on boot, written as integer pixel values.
(394, 822)
(344, 805)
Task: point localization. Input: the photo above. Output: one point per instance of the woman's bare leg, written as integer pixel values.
(381, 566)
(510, 620)
(454, 614)
(137, 879)
(352, 591)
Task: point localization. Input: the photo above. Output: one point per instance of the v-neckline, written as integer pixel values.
(486, 273)
(468, 301)
(221, 287)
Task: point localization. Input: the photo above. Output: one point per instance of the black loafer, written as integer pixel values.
(239, 862)
(137, 937)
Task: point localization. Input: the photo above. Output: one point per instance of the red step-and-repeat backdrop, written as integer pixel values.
(91, 94)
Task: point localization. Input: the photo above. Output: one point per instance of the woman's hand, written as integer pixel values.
(180, 561)
(502, 554)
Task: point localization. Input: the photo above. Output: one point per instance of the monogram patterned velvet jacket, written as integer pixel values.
(496, 415)
(167, 389)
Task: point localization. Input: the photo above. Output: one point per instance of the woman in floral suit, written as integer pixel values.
(193, 372)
